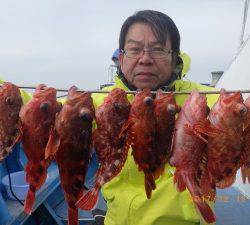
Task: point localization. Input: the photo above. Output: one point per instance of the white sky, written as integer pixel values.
(66, 42)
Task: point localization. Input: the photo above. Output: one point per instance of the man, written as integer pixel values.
(149, 57)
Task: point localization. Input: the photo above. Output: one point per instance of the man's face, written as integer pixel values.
(145, 71)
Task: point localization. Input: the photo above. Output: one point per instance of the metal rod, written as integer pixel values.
(165, 92)
(180, 92)
(32, 87)
(134, 92)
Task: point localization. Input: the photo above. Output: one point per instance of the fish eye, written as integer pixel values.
(116, 106)
(148, 100)
(44, 106)
(9, 100)
(243, 111)
(85, 115)
(171, 109)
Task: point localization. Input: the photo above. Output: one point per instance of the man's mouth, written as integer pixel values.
(145, 74)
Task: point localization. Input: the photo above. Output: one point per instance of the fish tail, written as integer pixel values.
(149, 184)
(208, 188)
(179, 182)
(36, 173)
(205, 210)
(245, 159)
(43, 174)
(245, 173)
(73, 216)
(203, 207)
(30, 200)
(88, 200)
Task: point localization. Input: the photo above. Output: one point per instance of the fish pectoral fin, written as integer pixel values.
(21, 128)
(205, 127)
(188, 129)
(52, 145)
(88, 200)
(125, 128)
(191, 130)
(17, 139)
(29, 202)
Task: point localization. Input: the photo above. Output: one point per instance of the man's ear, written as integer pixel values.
(174, 60)
(120, 60)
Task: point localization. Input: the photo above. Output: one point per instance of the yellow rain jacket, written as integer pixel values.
(125, 194)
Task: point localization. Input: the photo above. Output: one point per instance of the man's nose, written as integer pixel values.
(145, 58)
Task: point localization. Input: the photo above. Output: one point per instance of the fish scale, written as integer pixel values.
(188, 152)
(109, 144)
(36, 122)
(140, 129)
(70, 144)
(225, 142)
(245, 168)
(10, 105)
(165, 111)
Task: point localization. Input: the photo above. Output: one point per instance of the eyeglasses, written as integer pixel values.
(155, 53)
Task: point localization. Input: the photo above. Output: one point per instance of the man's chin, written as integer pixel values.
(142, 82)
(146, 86)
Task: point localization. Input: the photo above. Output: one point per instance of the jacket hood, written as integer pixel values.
(182, 65)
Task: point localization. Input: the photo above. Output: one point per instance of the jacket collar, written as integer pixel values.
(168, 86)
